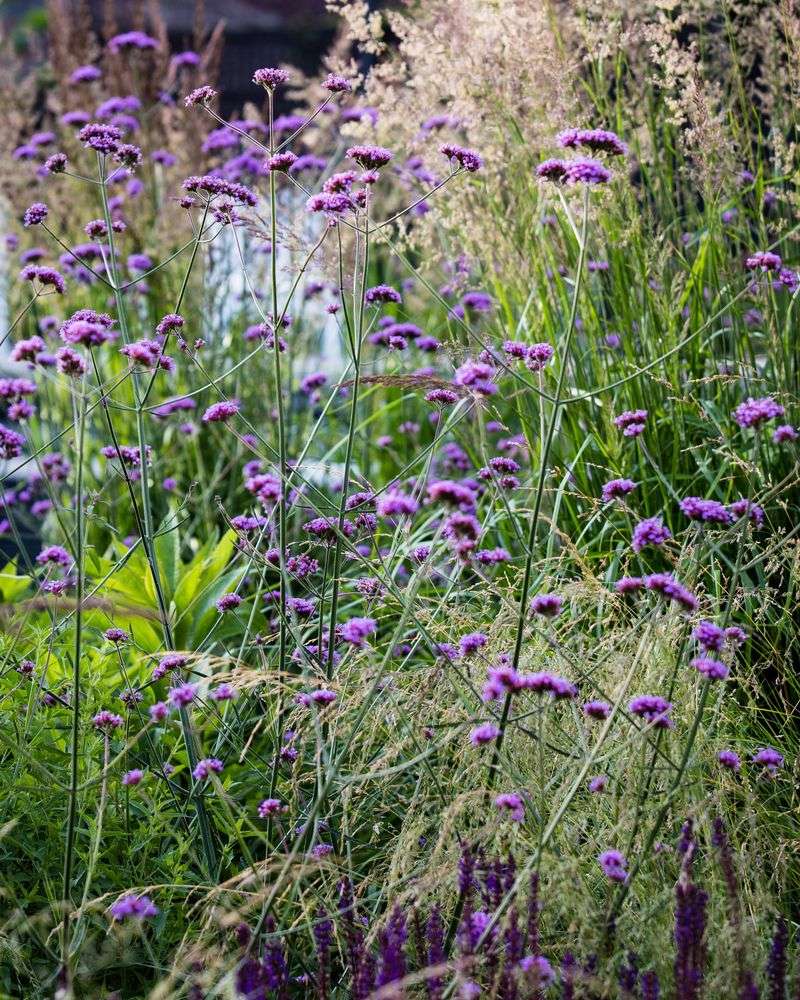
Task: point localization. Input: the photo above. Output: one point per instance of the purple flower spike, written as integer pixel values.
(615, 489)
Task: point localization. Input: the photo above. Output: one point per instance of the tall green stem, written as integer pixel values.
(147, 521)
(276, 354)
(544, 456)
(358, 315)
(72, 808)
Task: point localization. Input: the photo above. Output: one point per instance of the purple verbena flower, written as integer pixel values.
(487, 732)
(613, 864)
(511, 803)
(548, 605)
(107, 720)
(763, 260)
(136, 907)
(653, 709)
(270, 78)
(598, 140)
(651, 531)
(631, 422)
(183, 695)
(206, 767)
(713, 669)
(470, 644)
(615, 489)
(357, 630)
(784, 433)
(221, 411)
(754, 412)
(729, 759)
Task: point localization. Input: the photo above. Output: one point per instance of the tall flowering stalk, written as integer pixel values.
(147, 538)
(544, 455)
(72, 801)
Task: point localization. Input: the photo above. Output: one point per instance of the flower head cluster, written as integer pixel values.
(754, 412)
(708, 511)
(511, 803)
(613, 865)
(538, 356)
(369, 157)
(596, 709)
(101, 138)
(487, 732)
(219, 412)
(206, 767)
(46, 276)
(132, 40)
(714, 670)
(651, 531)
(321, 697)
(631, 422)
(107, 720)
(476, 375)
(582, 171)
(270, 78)
(183, 695)
(505, 680)
(357, 630)
(148, 354)
(653, 709)
(201, 95)
(336, 84)
(763, 260)
(382, 293)
(220, 187)
(595, 139)
(467, 159)
(668, 587)
(547, 605)
(729, 759)
(271, 807)
(228, 602)
(784, 433)
(615, 489)
(35, 214)
(136, 907)
(770, 758)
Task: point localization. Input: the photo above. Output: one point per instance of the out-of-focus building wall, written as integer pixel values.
(257, 33)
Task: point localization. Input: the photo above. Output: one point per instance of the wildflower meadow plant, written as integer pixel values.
(400, 518)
